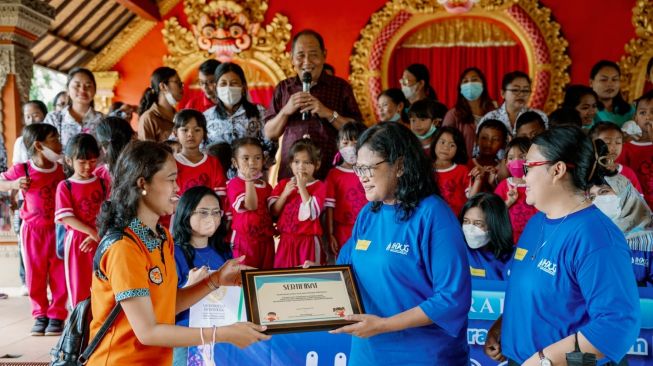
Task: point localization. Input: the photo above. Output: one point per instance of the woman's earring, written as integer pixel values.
(144, 192)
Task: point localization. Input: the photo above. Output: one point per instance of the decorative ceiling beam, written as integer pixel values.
(145, 9)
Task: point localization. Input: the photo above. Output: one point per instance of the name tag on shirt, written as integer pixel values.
(477, 272)
(520, 253)
(362, 244)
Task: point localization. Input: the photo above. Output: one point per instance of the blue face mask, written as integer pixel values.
(472, 90)
(428, 134)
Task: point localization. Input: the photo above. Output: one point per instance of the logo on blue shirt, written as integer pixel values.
(398, 248)
(548, 267)
(639, 261)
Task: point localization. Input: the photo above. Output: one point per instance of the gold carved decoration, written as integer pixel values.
(229, 30)
(531, 23)
(127, 39)
(460, 32)
(106, 82)
(638, 51)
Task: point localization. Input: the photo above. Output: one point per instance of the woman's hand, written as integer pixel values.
(367, 326)
(242, 335)
(196, 275)
(493, 342)
(229, 273)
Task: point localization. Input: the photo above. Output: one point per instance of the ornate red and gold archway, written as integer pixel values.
(639, 51)
(460, 23)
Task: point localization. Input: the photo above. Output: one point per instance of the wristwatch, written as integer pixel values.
(543, 360)
(334, 116)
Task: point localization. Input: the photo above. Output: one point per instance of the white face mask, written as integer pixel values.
(409, 91)
(51, 155)
(349, 154)
(230, 95)
(609, 205)
(475, 236)
(170, 99)
(396, 117)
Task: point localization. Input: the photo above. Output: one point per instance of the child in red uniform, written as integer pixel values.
(345, 195)
(249, 196)
(38, 179)
(491, 138)
(425, 117)
(78, 203)
(449, 168)
(639, 154)
(298, 203)
(112, 134)
(513, 189)
(195, 168)
(613, 137)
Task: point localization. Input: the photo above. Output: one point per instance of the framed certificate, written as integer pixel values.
(301, 299)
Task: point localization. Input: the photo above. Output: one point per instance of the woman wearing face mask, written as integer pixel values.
(157, 106)
(392, 106)
(488, 234)
(416, 83)
(234, 116)
(472, 104)
(618, 199)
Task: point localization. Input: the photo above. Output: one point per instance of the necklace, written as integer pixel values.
(556, 229)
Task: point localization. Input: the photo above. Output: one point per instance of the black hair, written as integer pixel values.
(222, 151)
(40, 105)
(251, 111)
(394, 142)
(397, 97)
(462, 109)
(115, 106)
(427, 108)
(646, 97)
(421, 73)
(512, 76)
(523, 143)
(307, 145)
(351, 131)
(172, 144)
(37, 132)
(529, 117)
(600, 127)
(56, 97)
(183, 231)
(184, 116)
(113, 134)
(80, 70)
(81, 146)
(574, 93)
(620, 106)
(565, 117)
(329, 67)
(494, 124)
(151, 94)
(497, 221)
(238, 143)
(310, 33)
(570, 145)
(140, 159)
(461, 150)
(208, 67)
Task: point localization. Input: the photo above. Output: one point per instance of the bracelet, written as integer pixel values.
(212, 284)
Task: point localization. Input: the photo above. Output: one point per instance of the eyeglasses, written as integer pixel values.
(366, 170)
(205, 214)
(531, 164)
(404, 82)
(519, 91)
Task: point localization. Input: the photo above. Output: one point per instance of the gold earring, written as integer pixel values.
(144, 192)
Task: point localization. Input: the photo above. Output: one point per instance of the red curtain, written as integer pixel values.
(261, 95)
(446, 64)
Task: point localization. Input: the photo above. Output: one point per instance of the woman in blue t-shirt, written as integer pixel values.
(488, 234)
(571, 276)
(199, 245)
(408, 255)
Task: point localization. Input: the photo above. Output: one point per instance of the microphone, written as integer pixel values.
(307, 78)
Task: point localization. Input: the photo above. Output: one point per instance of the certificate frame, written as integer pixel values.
(252, 287)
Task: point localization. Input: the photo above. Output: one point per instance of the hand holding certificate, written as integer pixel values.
(301, 299)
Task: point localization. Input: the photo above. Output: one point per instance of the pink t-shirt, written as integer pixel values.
(453, 183)
(289, 222)
(639, 157)
(82, 201)
(207, 172)
(344, 193)
(255, 223)
(38, 207)
(520, 211)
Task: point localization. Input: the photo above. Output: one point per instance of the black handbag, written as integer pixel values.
(578, 358)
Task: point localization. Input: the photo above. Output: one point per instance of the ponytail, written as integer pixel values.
(151, 94)
(149, 97)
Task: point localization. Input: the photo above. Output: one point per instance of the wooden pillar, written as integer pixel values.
(22, 22)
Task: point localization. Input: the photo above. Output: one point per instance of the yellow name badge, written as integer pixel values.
(520, 253)
(362, 244)
(477, 272)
